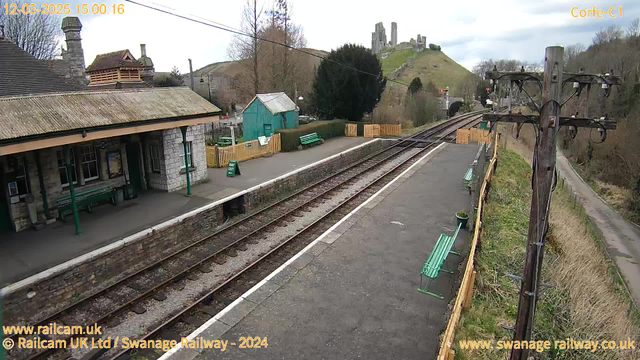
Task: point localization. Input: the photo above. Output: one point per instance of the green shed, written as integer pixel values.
(267, 113)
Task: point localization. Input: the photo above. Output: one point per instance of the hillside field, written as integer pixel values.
(429, 65)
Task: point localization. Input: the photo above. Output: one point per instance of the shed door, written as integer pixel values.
(267, 130)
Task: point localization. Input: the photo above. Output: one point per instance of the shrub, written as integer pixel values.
(290, 138)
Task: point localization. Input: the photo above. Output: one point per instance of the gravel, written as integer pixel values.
(132, 325)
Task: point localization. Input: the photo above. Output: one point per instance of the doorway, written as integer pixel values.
(134, 166)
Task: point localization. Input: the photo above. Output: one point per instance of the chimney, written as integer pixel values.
(148, 70)
(74, 55)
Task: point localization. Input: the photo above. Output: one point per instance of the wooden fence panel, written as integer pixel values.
(371, 131)
(479, 135)
(390, 130)
(351, 130)
(243, 151)
(462, 136)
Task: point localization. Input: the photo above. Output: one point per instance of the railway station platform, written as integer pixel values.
(352, 293)
(29, 252)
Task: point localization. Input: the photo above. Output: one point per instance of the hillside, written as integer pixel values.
(429, 65)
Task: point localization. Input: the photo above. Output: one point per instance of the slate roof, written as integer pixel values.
(275, 102)
(113, 60)
(25, 116)
(21, 73)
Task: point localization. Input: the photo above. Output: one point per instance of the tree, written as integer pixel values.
(37, 34)
(415, 86)
(432, 89)
(174, 79)
(245, 49)
(342, 92)
(281, 68)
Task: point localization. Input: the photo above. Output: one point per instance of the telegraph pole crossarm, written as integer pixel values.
(564, 120)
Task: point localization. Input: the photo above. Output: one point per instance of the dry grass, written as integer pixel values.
(597, 310)
(588, 301)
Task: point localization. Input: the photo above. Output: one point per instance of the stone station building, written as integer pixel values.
(128, 140)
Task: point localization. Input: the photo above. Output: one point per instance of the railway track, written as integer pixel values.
(128, 295)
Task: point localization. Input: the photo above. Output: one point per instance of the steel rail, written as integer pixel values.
(180, 275)
(156, 331)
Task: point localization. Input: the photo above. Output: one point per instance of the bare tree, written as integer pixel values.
(245, 49)
(611, 34)
(36, 34)
(633, 30)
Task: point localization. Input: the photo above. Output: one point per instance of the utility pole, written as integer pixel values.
(543, 181)
(544, 175)
(191, 74)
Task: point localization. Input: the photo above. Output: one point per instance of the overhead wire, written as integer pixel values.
(232, 30)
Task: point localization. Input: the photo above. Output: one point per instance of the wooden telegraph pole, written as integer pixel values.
(544, 165)
(543, 179)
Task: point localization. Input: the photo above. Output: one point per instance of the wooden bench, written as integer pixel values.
(435, 262)
(85, 199)
(310, 139)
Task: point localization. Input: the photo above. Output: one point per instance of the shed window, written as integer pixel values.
(189, 155)
(89, 161)
(62, 170)
(154, 151)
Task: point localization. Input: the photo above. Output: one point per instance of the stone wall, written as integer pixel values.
(97, 272)
(173, 149)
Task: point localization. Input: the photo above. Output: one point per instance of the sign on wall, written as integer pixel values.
(114, 163)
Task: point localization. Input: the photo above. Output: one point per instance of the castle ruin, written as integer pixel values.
(379, 40)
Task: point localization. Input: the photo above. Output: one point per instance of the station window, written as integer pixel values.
(89, 162)
(189, 155)
(21, 176)
(62, 170)
(154, 151)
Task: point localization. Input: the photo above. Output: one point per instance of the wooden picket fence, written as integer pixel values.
(351, 130)
(378, 130)
(465, 292)
(241, 152)
(464, 136)
(390, 130)
(371, 131)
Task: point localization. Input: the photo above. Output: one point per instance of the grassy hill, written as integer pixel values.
(429, 65)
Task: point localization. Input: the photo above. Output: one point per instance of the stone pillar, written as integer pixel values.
(74, 55)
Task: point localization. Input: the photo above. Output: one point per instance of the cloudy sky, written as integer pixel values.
(468, 31)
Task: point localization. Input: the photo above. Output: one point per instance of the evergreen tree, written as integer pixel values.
(342, 92)
(415, 86)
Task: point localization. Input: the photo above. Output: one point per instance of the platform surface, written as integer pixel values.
(353, 294)
(29, 252)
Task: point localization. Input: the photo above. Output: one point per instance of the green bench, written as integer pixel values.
(468, 177)
(435, 262)
(310, 139)
(225, 141)
(85, 199)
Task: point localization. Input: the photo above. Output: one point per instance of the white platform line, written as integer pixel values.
(242, 297)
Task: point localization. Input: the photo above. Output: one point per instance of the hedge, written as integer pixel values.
(290, 138)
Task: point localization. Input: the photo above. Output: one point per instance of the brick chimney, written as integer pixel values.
(148, 71)
(74, 55)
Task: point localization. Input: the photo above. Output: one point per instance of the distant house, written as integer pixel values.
(267, 113)
(116, 70)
